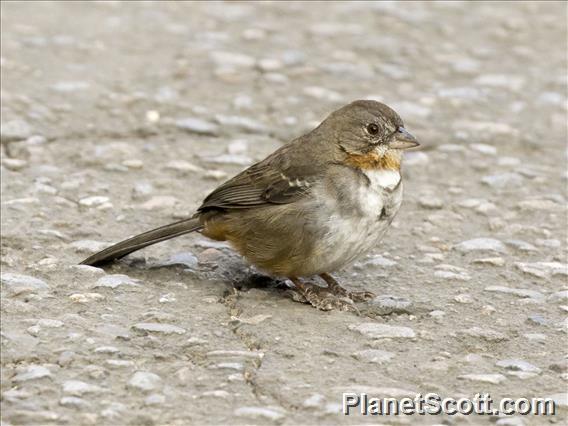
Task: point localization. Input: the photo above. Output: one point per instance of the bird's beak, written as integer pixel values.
(402, 139)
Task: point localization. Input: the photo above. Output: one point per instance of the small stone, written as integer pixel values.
(160, 202)
(216, 394)
(119, 363)
(387, 304)
(507, 81)
(49, 323)
(380, 331)
(380, 261)
(186, 259)
(95, 201)
(198, 126)
(486, 334)
(237, 147)
(521, 292)
(106, 350)
(268, 65)
(322, 93)
(74, 402)
(14, 164)
(481, 244)
(86, 297)
(133, 164)
(521, 245)
(503, 180)
(69, 86)
(16, 284)
(518, 365)
(273, 414)
(539, 337)
(431, 203)
(484, 148)
(14, 130)
(551, 243)
(155, 399)
(154, 327)
(464, 298)
(539, 205)
(416, 158)
(484, 378)
(117, 280)
(494, 261)
(235, 354)
(183, 167)
(245, 124)
(32, 372)
(145, 381)
(374, 356)
(232, 59)
(314, 401)
(543, 269)
(88, 247)
(559, 296)
(78, 388)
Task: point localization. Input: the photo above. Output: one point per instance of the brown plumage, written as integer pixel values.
(311, 207)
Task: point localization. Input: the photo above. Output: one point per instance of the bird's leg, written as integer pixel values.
(320, 298)
(336, 289)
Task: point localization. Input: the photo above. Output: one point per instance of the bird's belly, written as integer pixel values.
(351, 235)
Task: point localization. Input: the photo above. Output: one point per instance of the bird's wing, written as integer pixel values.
(283, 177)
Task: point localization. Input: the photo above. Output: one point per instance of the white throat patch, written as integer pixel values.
(387, 179)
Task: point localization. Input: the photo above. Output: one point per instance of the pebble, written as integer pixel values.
(235, 354)
(374, 356)
(88, 247)
(78, 388)
(539, 205)
(94, 201)
(32, 372)
(69, 86)
(117, 280)
(521, 245)
(518, 365)
(481, 244)
(543, 269)
(106, 350)
(183, 167)
(155, 399)
(198, 126)
(16, 284)
(464, 298)
(484, 148)
(154, 327)
(416, 158)
(314, 401)
(232, 59)
(559, 296)
(322, 94)
(14, 164)
(15, 130)
(273, 414)
(503, 180)
(378, 260)
(506, 81)
(551, 243)
(431, 203)
(494, 261)
(484, 378)
(387, 304)
(244, 124)
(160, 202)
(74, 402)
(521, 292)
(119, 363)
(86, 297)
(486, 334)
(239, 160)
(379, 331)
(145, 381)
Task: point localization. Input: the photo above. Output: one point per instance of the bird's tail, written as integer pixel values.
(143, 240)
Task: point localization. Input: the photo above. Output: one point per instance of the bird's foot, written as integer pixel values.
(320, 298)
(335, 288)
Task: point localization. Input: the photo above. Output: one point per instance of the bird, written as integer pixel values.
(309, 209)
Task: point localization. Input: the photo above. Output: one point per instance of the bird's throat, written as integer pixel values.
(389, 160)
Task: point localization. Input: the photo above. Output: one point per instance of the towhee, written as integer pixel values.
(310, 208)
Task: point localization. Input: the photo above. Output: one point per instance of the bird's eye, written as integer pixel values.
(373, 129)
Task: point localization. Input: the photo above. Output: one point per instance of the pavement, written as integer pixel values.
(118, 117)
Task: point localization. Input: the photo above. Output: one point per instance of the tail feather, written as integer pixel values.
(143, 240)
